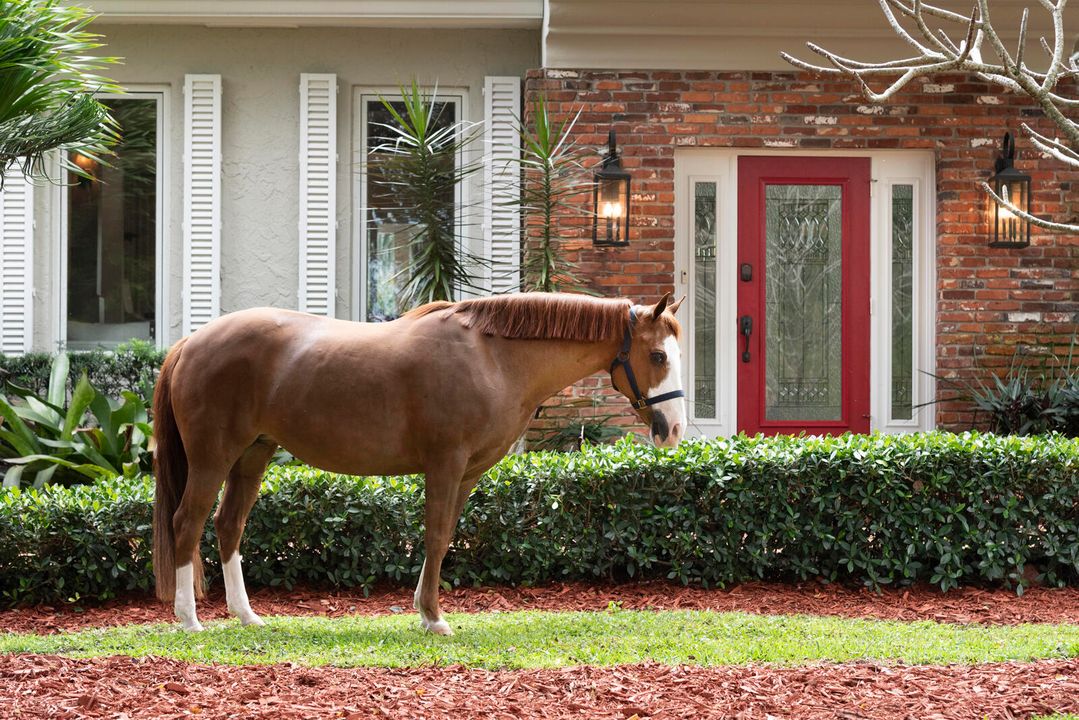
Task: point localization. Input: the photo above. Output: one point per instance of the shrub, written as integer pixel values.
(879, 510)
(131, 367)
(1028, 400)
(45, 439)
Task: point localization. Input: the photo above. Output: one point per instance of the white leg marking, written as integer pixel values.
(673, 410)
(184, 601)
(438, 626)
(236, 593)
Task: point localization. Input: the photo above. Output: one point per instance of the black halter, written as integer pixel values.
(641, 402)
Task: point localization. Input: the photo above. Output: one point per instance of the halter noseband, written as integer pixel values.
(641, 402)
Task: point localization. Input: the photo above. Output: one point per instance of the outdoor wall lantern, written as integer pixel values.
(1010, 230)
(610, 199)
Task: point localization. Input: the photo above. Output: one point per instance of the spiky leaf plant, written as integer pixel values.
(552, 181)
(418, 167)
(47, 83)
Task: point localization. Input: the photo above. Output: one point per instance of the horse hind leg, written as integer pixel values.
(203, 482)
(241, 491)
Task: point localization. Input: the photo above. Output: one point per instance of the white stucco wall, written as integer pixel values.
(260, 71)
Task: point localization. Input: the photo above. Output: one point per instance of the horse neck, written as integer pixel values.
(555, 364)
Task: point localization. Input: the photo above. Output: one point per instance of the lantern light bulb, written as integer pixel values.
(1006, 212)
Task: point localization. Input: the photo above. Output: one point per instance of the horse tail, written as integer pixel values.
(170, 473)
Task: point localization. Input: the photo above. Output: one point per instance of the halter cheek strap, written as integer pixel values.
(640, 402)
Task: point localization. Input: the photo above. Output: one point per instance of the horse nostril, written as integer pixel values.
(676, 431)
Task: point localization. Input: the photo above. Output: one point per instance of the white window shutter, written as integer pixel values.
(502, 216)
(318, 192)
(202, 200)
(16, 263)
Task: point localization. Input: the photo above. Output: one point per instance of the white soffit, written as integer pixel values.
(745, 34)
(326, 13)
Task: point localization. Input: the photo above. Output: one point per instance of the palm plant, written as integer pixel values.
(553, 179)
(47, 82)
(419, 165)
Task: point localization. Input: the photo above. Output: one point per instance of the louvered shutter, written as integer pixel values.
(502, 216)
(202, 200)
(318, 196)
(16, 263)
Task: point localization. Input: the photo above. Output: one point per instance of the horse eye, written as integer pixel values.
(659, 358)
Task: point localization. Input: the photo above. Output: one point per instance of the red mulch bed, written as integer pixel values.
(42, 686)
(36, 686)
(966, 605)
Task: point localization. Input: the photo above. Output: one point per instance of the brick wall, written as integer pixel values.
(989, 301)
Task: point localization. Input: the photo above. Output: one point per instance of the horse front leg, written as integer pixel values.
(445, 495)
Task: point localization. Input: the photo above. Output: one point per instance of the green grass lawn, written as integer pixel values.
(544, 639)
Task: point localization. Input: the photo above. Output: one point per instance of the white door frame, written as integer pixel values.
(889, 167)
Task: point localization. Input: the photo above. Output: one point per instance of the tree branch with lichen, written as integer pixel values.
(938, 51)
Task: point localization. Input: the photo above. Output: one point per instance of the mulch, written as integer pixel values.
(965, 605)
(123, 688)
(36, 686)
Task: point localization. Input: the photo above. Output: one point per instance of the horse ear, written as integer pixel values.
(661, 305)
(673, 307)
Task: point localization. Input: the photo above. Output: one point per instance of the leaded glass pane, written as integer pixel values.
(112, 235)
(704, 304)
(902, 301)
(803, 308)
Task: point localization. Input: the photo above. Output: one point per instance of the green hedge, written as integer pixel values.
(879, 510)
(132, 366)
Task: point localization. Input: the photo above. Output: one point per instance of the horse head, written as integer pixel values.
(648, 370)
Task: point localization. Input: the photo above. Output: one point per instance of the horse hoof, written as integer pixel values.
(438, 627)
(251, 619)
(193, 627)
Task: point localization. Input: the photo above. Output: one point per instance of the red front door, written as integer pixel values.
(803, 295)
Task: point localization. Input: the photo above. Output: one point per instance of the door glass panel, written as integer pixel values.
(704, 301)
(112, 235)
(803, 291)
(392, 224)
(902, 301)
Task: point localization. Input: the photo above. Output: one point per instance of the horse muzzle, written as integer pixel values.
(663, 433)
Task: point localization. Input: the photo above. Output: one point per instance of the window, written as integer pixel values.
(388, 224)
(112, 251)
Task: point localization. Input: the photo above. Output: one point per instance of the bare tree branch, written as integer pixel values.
(939, 52)
(1032, 219)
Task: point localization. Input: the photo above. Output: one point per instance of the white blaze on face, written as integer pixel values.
(673, 411)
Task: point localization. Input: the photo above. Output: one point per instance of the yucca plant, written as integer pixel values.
(552, 181)
(419, 165)
(47, 83)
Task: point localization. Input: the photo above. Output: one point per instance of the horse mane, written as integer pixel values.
(538, 316)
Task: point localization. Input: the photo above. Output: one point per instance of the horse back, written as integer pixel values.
(351, 397)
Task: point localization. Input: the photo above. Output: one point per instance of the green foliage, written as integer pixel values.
(420, 165)
(878, 510)
(558, 639)
(1028, 400)
(47, 86)
(131, 366)
(45, 438)
(573, 433)
(552, 181)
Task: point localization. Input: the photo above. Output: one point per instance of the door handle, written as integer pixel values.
(745, 326)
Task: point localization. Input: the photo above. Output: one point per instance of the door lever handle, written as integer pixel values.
(745, 326)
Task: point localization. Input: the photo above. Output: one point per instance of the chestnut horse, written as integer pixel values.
(444, 390)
